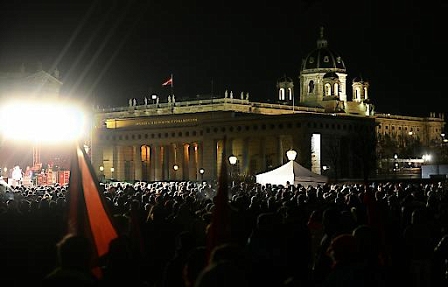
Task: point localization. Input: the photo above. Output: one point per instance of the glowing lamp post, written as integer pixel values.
(201, 171)
(112, 169)
(176, 168)
(291, 154)
(154, 98)
(101, 173)
(232, 160)
(396, 165)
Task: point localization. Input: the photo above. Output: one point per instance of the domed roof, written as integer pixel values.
(284, 79)
(285, 82)
(322, 57)
(358, 79)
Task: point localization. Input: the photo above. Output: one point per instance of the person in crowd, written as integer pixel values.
(74, 268)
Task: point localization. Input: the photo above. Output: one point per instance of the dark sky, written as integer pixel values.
(108, 51)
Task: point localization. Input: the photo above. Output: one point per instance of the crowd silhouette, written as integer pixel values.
(373, 234)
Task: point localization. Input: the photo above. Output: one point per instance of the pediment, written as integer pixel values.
(42, 77)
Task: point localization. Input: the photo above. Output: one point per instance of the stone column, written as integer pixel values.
(191, 160)
(156, 162)
(165, 154)
(179, 153)
(137, 163)
(262, 142)
(210, 159)
(119, 163)
(97, 160)
(244, 161)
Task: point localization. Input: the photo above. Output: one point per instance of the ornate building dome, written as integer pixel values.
(323, 58)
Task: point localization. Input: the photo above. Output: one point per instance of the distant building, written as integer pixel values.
(36, 84)
(323, 124)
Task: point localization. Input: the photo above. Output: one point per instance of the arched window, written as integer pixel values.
(357, 94)
(336, 89)
(281, 94)
(311, 87)
(327, 89)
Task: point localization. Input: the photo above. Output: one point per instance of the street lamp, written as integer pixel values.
(102, 173)
(201, 171)
(175, 167)
(291, 154)
(112, 172)
(154, 98)
(232, 160)
(396, 165)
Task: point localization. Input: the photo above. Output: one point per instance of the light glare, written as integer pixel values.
(41, 122)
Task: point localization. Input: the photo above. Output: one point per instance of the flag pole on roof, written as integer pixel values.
(170, 82)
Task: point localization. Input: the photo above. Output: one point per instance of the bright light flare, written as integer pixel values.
(44, 122)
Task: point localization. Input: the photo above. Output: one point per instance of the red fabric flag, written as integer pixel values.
(219, 231)
(168, 82)
(88, 213)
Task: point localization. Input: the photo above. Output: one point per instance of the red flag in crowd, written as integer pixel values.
(218, 231)
(169, 81)
(88, 213)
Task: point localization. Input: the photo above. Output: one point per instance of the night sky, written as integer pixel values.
(109, 51)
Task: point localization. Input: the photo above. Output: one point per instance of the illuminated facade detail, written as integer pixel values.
(285, 87)
(316, 153)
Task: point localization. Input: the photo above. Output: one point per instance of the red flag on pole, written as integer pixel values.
(169, 81)
(88, 213)
(219, 231)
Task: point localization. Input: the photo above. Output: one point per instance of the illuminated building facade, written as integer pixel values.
(329, 129)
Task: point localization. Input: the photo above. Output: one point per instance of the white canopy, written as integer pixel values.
(292, 172)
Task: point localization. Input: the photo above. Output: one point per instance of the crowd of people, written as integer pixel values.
(373, 234)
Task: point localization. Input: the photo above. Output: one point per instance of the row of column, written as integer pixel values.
(175, 161)
(184, 161)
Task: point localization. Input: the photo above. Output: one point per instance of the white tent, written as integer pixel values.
(292, 172)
